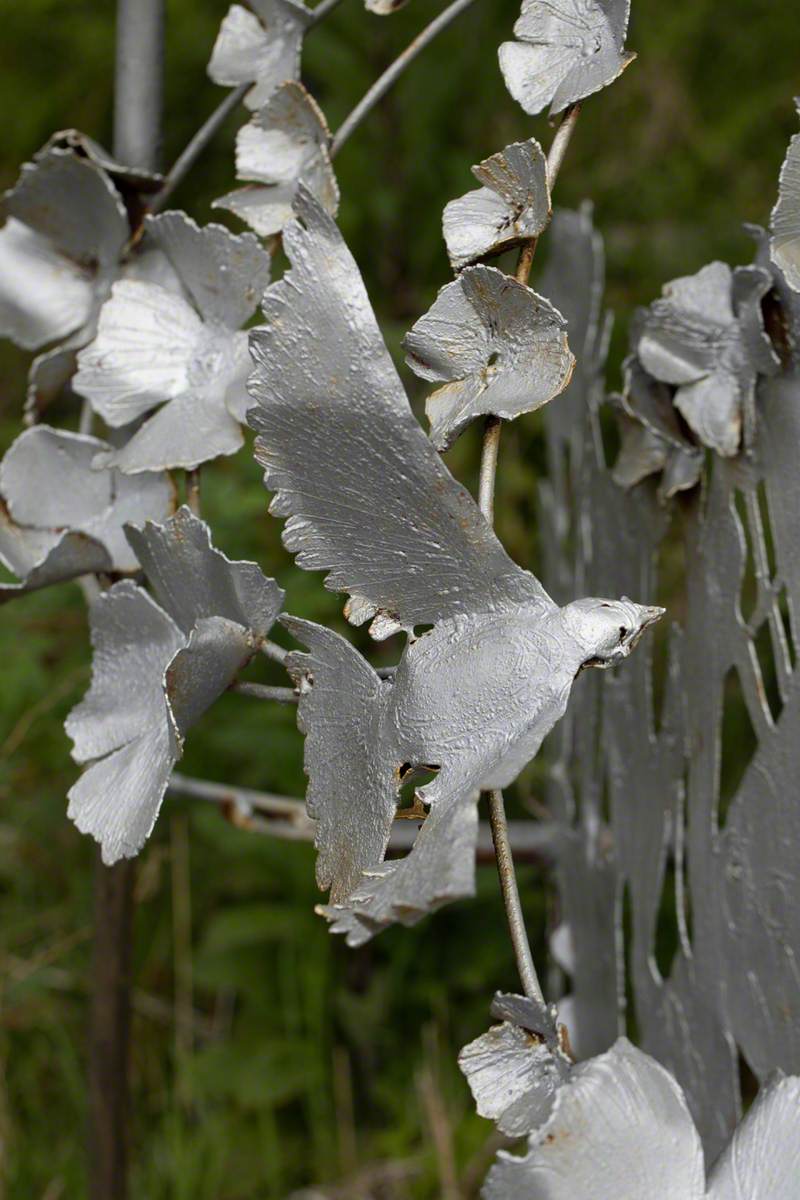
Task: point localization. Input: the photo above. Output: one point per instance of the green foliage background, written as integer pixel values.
(299, 1061)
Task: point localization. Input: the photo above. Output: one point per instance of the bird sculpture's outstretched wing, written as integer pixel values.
(366, 495)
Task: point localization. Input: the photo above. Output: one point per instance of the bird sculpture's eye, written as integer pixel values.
(623, 633)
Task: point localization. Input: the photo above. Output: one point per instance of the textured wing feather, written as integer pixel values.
(366, 495)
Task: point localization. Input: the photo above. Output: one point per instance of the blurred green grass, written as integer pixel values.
(301, 1061)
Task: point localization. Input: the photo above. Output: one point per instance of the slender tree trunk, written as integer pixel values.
(137, 130)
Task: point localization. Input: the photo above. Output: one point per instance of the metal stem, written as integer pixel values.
(511, 900)
(137, 127)
(322, 10)
(393, 72)
(555, 158)
(488, 476)
(185, 160)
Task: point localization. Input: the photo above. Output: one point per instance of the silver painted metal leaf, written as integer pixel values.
(653, 441)
(565, 50)
(619, 1130)
(84, 146)
(43, 294)
(706, 338)
(515, 1069)
(155, 672)
(366, 495)
(155, 346)
(61, 518)
(513, 204)
(497, 347)
(121, 726)
(260, 44)
(193, 580)
(785, 241)
(762, 1161)
(286, 143)
(224, 273)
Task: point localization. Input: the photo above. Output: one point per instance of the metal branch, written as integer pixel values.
(285, 817)
(555, 158)
(263, 691)
(322, 10)
(186, 159)
(393, 72)
(137, 127)
(511, 900)
(488, 476)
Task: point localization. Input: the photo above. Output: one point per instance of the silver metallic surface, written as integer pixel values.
(652, 841)
(785, 242)
(184, 352)
(286, 143)
(497, 347)
(512, 204)
(260, 44)
(59, 518)
(369, 500)
(156, 671)
(566, 50)
(620, 1129)
(515, 1069)
(706, 338)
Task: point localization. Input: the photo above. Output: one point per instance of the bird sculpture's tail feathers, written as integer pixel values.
(353, 786)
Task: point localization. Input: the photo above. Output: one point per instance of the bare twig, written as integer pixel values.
(193, 490)
(263, 691)
(393, 72)
(286, 817)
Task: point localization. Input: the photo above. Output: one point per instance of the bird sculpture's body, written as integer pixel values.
(369, 500)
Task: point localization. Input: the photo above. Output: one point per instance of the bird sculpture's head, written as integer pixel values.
(607, 630)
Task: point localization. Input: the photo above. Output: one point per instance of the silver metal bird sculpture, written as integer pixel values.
(369, 500)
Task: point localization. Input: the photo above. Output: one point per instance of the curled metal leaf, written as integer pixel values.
(384, 8)
(497, 346)
(124, 176)
(619, 1130)
(183, 352)
(63, 245)
(653, 442)
(193, 580)
(156, 671)
(57, 257)
(566, 50)
(706, 338)
(513, 204)
(60, 518)
(762, 1161)
(286, 143)
(515, 1069)
(121, 728)
(259, 44)
(785, 242)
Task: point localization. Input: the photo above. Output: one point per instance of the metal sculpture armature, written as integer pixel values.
(144, 314)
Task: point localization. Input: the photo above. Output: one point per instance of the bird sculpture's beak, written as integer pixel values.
(648, 615)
